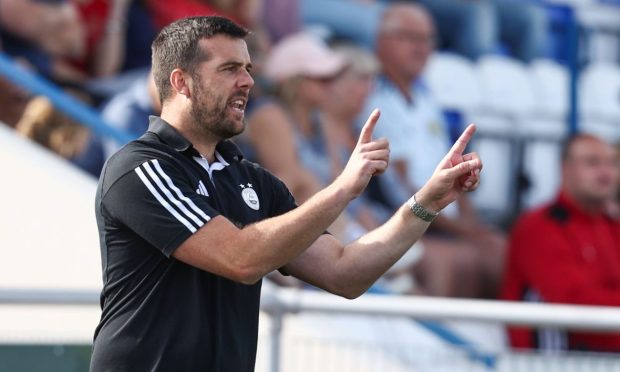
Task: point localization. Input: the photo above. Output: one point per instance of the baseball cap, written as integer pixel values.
(302, 54)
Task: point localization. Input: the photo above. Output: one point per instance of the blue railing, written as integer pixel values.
(64, 102)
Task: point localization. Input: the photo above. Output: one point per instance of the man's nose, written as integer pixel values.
(246, 80)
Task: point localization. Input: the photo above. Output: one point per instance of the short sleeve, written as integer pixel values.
(283, 201)
(158, 203)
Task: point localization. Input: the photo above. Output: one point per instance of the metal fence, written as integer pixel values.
(308, 331)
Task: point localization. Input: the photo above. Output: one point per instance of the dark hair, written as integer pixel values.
(176, 46)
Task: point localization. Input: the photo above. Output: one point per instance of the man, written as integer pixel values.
(464, 259)
(569, 250)
(188, 227)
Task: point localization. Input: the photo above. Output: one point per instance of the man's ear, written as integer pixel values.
(180, 82)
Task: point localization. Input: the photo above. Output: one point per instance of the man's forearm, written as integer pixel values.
(366, 259)
(276, 241)
(248, 254)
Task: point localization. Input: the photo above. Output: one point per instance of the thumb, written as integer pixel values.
(369, 127)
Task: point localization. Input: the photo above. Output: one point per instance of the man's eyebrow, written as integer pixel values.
(226, 64)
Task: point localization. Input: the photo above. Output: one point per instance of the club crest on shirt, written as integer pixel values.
(249, 196)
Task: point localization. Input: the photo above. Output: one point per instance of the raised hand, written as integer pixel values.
(456, 173)
(369, 157)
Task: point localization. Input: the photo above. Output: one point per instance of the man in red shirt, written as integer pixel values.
(569, 250)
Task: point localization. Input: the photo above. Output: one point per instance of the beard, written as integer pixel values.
(210, 114)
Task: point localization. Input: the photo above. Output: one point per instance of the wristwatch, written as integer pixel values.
(421, 212)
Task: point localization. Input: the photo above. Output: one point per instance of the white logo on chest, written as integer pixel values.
(249, 196)
(202, 190)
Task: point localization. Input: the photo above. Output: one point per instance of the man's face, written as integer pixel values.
(590, 171)
(220, 87)
(406, 43)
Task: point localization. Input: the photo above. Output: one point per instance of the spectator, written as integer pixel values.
(43, 33)
(105, 23)
(140, 34)
(567, 251)
(302, 88)
(165, 12)
(418, 136)
(347, 96)
(301, 68)
(246, 12)
(69, 41)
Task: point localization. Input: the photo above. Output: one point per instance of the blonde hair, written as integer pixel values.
(45, 125)
(359, 60)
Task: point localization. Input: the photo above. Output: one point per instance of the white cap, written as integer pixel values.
(302, 55)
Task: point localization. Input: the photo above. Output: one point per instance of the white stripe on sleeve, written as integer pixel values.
(163, 201)
(171, 197)
(189, 201)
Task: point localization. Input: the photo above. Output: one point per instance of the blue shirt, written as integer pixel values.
(417, 132)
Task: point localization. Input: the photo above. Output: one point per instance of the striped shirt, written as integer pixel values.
(160, 314)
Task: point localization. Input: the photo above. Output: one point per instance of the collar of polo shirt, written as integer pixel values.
(168, 134)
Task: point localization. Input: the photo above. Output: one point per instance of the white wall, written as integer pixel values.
(48, 240)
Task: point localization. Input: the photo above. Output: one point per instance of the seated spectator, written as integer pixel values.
(285, 133)
(418, 135)
(319, 100)
(568, 250)
(245, 12)
(105, 23)
(42, 33)
(80, 44)
(68, 41)
(347, 96)
(303, 70)
(165, 12)
(140, 34)
(291, 120)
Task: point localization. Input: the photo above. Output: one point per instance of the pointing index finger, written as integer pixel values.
(461, 143)
(369, 127)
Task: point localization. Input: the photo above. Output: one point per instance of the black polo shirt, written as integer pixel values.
(160, 314)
